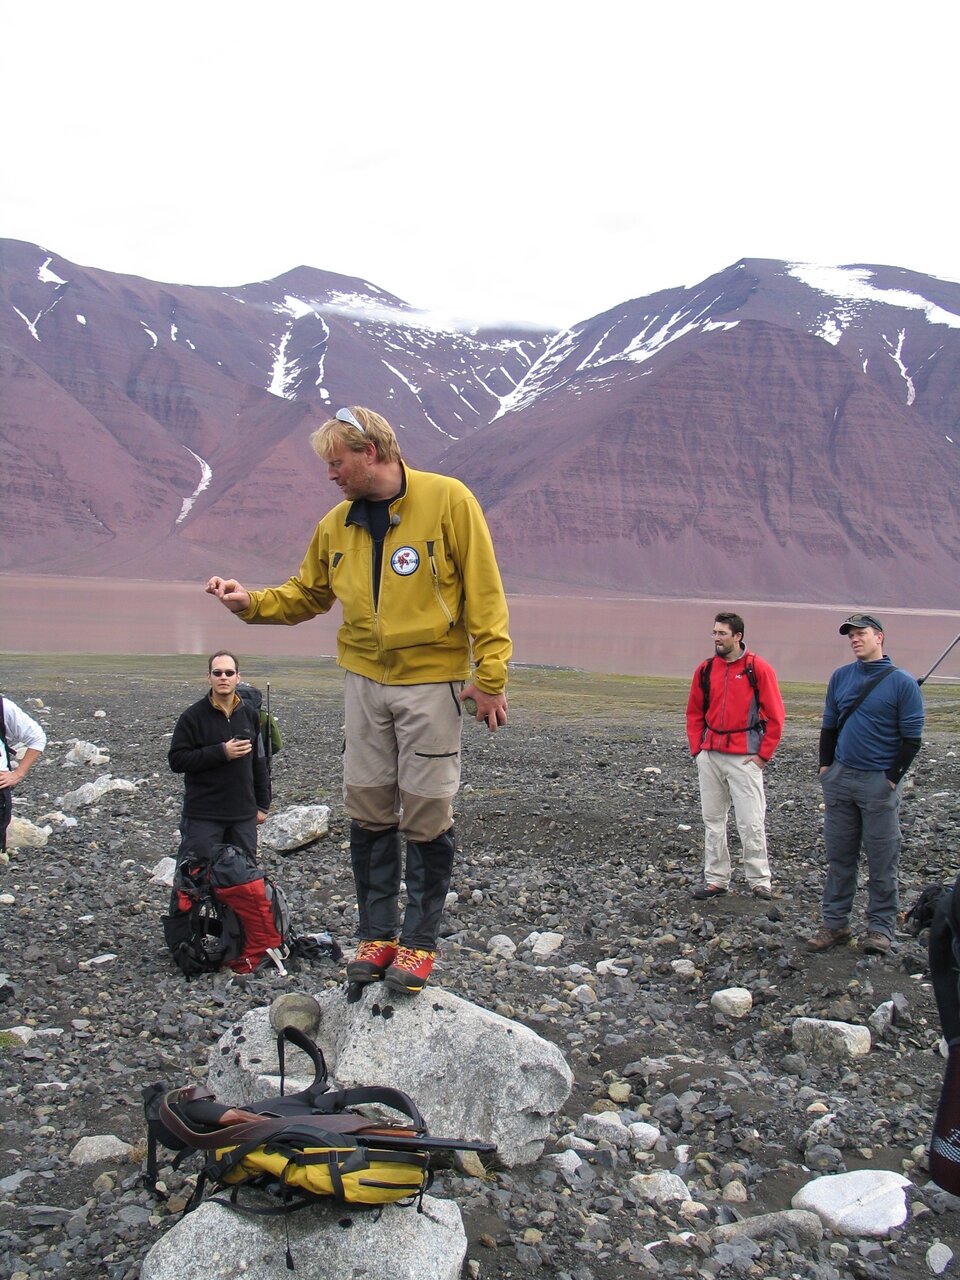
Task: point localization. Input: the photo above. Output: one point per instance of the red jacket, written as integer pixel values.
(738, 721)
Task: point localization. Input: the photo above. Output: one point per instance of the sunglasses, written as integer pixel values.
(344, 415)
(223, 671)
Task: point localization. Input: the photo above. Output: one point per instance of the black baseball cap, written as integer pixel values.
(857, 620)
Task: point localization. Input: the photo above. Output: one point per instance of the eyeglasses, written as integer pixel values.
(721, 635)
(223, 671)
(344, 415)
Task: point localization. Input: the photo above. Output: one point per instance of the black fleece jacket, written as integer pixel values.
(214, 786)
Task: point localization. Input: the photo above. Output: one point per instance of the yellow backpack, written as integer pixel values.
(302, 1147)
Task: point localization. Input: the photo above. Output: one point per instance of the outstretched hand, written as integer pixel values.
(491, 707)
(232, 594)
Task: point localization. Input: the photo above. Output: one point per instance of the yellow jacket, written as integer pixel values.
(439, 588)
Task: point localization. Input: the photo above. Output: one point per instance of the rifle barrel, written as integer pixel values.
(939, 660)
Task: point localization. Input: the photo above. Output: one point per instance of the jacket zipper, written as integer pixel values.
(436, 585)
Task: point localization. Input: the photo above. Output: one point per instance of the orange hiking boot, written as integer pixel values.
(411, 969)
(373, 959)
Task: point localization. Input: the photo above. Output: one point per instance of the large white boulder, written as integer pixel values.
(295, 827)
(216, 1243)
(84, 753)
(472, 1073)
(826, 1039)
(91, 792)
(660, 1187)
(735, 1002)
(24, 834)
(866, 1202)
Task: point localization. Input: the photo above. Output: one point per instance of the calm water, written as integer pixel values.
(629, 636)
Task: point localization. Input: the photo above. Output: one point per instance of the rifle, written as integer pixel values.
(939, 660)
(270, 731)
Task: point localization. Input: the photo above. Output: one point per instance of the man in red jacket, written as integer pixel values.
(734, 723)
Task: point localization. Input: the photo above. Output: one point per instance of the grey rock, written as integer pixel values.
(295, 827)
(91, 1150)
(866, 1202)
(938, 1257)
(805, 1225)
(295, 1009)
(509, 1081)
(661, 1188)
(828, 1039)
(91, 792)
(214, 1243)
(24, 834)
(734, 1002)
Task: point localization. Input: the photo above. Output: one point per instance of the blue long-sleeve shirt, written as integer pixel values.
(873, 736)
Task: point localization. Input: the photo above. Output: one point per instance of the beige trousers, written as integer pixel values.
(401, 759)
(725, 780)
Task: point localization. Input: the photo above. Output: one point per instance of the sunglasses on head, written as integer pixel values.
(223, 671)
(344, 415)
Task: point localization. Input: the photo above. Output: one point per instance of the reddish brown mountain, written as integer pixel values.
(777, 432)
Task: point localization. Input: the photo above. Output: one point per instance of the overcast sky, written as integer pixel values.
(521, 160)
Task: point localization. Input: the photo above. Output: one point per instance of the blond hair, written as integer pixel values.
(336, 435)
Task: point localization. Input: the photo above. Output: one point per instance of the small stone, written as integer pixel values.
(938, 1257)
(93, 1149)
(827, 1039)
(734, 1002)
(294, 1009)
(735, 1192)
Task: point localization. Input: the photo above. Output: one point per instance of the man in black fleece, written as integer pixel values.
(217, 746)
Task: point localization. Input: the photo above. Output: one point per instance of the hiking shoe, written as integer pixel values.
(876, 944)
(709, 891)
(826, 938)
(372, 960)
(410, 970)
(761, 891)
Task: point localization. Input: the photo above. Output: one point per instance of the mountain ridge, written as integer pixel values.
(778, 431)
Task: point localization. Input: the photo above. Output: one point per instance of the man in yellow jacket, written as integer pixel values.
(409, 556)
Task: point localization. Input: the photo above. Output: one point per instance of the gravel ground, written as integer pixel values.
(586, 825)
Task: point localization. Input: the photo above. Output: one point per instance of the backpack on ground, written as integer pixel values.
(299, 1148)
(269, 729)
(224, 910)
(944, 952)
(921, 915)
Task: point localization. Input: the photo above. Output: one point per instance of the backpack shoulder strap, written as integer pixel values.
(706, 667)
(3, 733)
(320, 1084)
(751, 674)
(378, 1095)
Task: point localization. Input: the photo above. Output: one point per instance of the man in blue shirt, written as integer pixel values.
(872, 721)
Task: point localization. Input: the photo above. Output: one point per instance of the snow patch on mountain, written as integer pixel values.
(31, 324)
(206, 475)
(46, 276)
(542, 375)
(896, 355)
(852, 284)
(285, 372)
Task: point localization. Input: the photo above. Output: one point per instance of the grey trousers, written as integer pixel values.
(861, 809)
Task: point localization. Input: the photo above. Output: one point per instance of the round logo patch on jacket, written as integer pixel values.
(405, 560)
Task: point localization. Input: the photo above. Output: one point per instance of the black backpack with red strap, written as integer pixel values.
(224, 910)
